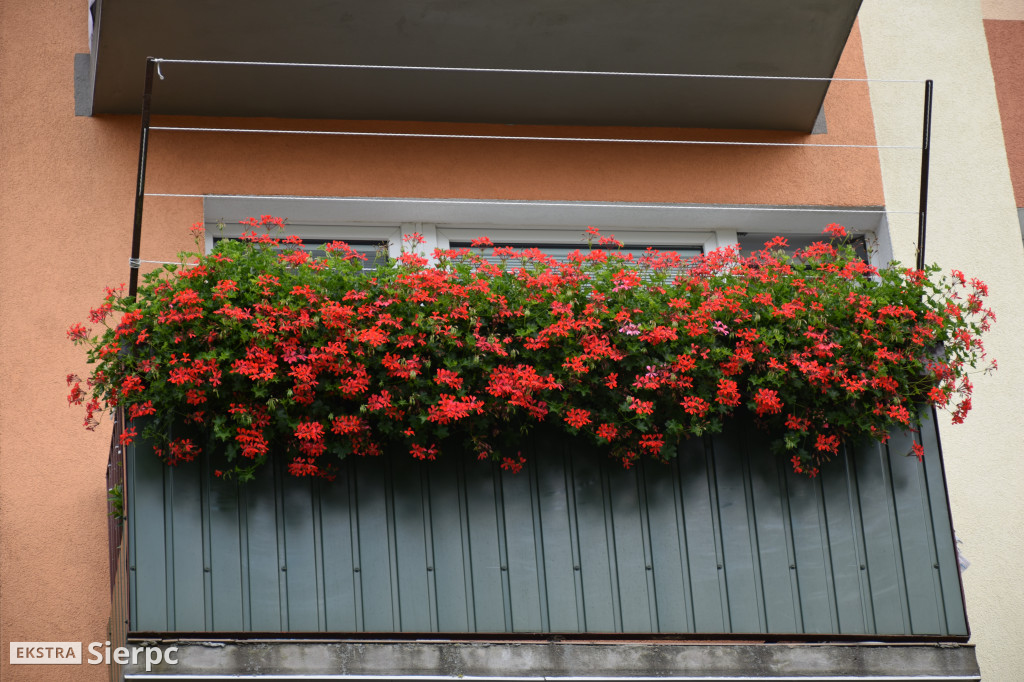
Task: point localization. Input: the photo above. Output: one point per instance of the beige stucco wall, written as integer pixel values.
(972, 225)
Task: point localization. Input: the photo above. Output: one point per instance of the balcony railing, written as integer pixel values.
(724, 541)
(119, 622)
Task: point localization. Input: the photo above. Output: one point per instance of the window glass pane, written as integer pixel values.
(560, 252)
(750, 241)
(376, 253)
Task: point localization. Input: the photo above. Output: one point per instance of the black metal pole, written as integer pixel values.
(921, 239)
(140, 184)
(925, 158)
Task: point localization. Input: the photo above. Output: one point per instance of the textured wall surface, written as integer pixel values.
(1002, 9)
(1006, 49)
(972, 225)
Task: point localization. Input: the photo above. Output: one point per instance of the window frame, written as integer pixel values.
(441, 221)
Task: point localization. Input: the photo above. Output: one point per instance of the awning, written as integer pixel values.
(511, 41)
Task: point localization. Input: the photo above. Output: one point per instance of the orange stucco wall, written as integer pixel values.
(1006, 50)
(66, 203)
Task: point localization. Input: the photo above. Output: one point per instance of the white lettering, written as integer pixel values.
(153, 657)
(64, 653)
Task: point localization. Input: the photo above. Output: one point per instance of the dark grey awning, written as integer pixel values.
(738, 37)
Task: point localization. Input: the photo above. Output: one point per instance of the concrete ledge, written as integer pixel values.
(336, 660)
(83, 84)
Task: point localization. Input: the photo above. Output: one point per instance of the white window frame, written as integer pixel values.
(217, 229)
(441, 221)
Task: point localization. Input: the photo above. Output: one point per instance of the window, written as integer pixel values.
(553, 226)
(753, 241)
(373, 252)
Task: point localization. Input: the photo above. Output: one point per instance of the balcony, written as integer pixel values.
(722, 544)
(468, 59)
(574, 567)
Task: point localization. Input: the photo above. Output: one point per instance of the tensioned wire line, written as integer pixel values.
(554, 72)
(136, 262)
(528, 138)
(528, 204)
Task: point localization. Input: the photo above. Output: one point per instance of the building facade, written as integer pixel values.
(431, 157)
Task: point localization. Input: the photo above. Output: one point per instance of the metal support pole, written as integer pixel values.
(140, 183)
(926, 144)
(921, 240)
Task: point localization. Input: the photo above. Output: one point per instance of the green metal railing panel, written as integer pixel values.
(591, 512)
(228, 572)
(150, 586)
(338, 540)
(948, 573)
(259, 535)
(774, 546)
(186, 519)
(733, 504)
(846, 553)
(667, 546)
(552, 495)
(452, 568)
(723, 540)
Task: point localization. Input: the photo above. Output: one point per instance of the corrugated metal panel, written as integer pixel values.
(119, 596)
(722, 540)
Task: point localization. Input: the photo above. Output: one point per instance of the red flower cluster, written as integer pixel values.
(316, 359)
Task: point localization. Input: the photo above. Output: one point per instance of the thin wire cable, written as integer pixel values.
(556, 72)
(528, 138)
(136, 262)
(483, 202)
